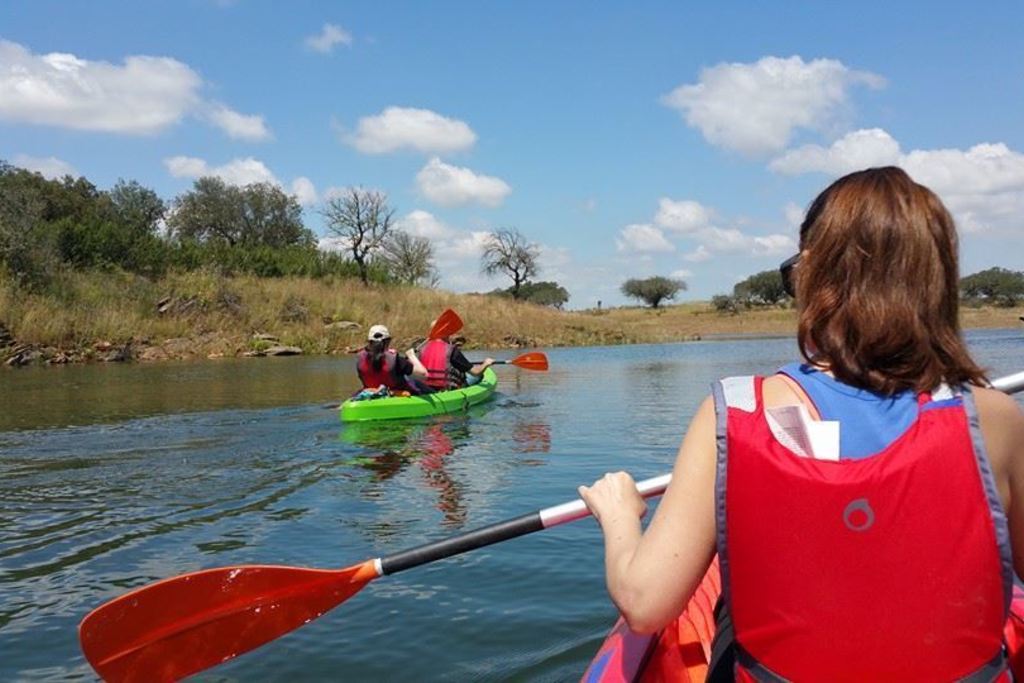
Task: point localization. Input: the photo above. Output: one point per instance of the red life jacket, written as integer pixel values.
(436, 356)
(893, 567)
(387, 375)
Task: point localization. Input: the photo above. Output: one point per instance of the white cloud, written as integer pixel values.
(982, 186)
(693, 220)
(242, 172)
(238, 126)
(773, 244)
(732, 240)
(304, 191)
(468, 246)
(457, 255)
(700, 254)
(755, 108)
(553, 258)
(238, 172)
(681, 274)
(449, 185)
(642, 238)
(421, 130)
(330, 36)
(186, 167)
(424, 224)
(794, 215)
(724, 239)
(49, 167)
(333, 244)
(143, 96)
(854, 151)
(683, 216)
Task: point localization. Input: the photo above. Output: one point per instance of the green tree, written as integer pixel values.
(409, 259)
(363, 221)
(207, 213)
(27, 251)
(653, 290)
(508, 252)
(764, 288)
(544, 293)
(997, 286)
(272, 218)
(257, 214)
(138, 208)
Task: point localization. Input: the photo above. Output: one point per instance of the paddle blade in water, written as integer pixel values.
(535, 360)
(447, 323)
(182, 625)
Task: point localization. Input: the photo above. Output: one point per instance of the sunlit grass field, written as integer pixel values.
(206, 314)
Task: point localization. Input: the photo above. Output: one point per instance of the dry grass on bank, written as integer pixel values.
(220, 315)
(209, 314)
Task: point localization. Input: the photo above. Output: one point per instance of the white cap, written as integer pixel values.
(378, 332)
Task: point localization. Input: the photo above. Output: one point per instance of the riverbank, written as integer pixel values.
(119, 316)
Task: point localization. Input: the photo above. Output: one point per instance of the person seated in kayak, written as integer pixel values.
(885, 551)
(446, 366)
(379, 365)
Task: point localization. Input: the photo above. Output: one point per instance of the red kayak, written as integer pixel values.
(681, 651)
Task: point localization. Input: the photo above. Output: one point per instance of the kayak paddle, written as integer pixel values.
(534, 360)
(185, 624)
(446, 324)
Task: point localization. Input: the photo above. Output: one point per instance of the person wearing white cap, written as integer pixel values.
(379, 365)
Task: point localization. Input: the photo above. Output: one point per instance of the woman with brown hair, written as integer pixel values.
(867, 506)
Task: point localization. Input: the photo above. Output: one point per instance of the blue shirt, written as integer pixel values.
(868, 421)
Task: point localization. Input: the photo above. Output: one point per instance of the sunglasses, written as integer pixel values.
(786, 270)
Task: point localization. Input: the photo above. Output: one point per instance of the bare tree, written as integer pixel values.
(409, 258)
(507, 252)
(363, 220)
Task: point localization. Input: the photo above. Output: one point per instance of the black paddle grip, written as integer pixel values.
(471, 540)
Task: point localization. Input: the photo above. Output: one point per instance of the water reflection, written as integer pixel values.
(391, 446)
(434, 448)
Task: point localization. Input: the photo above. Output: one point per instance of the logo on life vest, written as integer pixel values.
(858, 515)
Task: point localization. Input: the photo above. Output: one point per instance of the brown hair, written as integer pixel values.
(878, 285)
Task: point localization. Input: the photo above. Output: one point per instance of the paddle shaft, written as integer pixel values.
(553, 516)
(503, 531)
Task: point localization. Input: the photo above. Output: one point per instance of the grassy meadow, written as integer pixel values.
(86, 315)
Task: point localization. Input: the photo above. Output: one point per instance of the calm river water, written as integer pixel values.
(112, 476)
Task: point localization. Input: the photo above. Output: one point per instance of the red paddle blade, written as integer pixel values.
(447, 323)
(179, 626)
(534, 360)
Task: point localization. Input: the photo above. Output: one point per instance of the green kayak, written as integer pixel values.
(400, 408)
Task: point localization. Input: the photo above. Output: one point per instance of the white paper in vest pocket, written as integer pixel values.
(794, 428)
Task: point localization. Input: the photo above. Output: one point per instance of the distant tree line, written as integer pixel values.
(993, 287)
(48, 225)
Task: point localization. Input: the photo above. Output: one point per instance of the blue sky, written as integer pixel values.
(625, 140)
